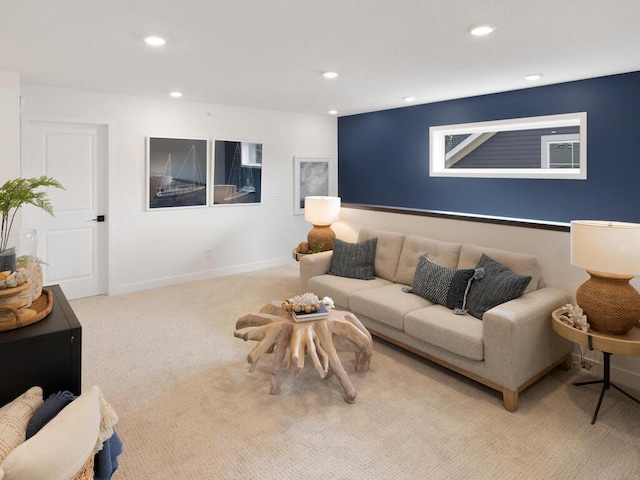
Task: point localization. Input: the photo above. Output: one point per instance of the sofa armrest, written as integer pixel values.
(312, 265)
(518, 337)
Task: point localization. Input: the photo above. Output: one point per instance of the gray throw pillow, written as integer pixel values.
(353, 260)
(499, 285)
(441, 285)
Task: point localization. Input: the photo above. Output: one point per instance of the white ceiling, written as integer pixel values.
(271, 53)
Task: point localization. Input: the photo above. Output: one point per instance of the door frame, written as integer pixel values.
(107, 271)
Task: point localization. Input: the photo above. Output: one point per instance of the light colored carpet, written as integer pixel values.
(168, 362)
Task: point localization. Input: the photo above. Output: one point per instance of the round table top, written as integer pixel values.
(628, 344)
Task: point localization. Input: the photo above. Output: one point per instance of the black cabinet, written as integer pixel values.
(47, 353)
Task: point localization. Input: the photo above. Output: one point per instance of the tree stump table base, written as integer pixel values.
(277, 332)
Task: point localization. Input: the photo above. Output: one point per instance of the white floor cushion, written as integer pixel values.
(62, 446)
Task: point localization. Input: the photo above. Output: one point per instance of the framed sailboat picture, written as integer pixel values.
(237, 172)
(177, 172)
(312, 176)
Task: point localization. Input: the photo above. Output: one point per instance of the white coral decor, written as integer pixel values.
(307, 303)
(328, 302)
(305, 299)
(573, 316)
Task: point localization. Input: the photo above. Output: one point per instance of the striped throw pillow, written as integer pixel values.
(441, 285)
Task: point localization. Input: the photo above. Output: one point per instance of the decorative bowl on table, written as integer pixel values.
(306, 303)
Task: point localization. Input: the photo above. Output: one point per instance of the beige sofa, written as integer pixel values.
(508, 350)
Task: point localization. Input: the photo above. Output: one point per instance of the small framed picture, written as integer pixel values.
(177, 172)
(313, 176)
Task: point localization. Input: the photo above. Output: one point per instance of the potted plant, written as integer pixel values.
(13, 195)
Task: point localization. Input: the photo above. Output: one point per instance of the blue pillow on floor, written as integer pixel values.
(49, 409)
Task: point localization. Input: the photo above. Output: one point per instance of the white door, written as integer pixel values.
(73, 243)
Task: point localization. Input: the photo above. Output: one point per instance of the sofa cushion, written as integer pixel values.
(520, 263)
(442, 253)
(499, 285)
(353, 260)
(341, 288)
(441, 285)
(388, 304)
(439, 326)
(387, 252)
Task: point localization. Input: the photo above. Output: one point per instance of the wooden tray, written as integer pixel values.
(39, 309)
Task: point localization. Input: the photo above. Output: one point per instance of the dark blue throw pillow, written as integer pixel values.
(353, 260)
(441, 285)
(499, 285)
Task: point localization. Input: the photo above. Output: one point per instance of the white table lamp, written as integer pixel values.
(610, 252)
(321, 212)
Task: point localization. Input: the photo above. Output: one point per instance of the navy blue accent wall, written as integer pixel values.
(383, 157)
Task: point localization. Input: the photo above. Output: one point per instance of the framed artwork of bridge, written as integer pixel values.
(177, 172)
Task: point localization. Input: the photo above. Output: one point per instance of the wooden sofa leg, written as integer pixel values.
(510, 399)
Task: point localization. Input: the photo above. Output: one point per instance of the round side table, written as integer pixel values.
(628, 345)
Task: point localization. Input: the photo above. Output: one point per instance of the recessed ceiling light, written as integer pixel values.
(329, 74)
(176, 94)
(533, 77)
(409, 99)
(155, 41)
(481, 29)
(333, 112)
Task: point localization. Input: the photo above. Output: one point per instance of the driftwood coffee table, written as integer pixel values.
(276, 331)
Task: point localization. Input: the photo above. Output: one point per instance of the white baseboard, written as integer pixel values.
(620, 374)
(193, 277)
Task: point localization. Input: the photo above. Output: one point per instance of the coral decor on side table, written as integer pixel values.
(573, 316)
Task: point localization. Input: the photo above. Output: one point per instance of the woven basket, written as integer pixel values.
(12, 299)
(86, 472)
(14, 316)
(35, 274)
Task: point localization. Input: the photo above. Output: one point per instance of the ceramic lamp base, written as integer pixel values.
(321, 234)
(610, 303)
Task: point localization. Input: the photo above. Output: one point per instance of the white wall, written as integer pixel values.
(551, 248)
(9, 125)
(163, 247)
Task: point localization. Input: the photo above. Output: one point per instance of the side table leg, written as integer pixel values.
(595, 414)
(606, 383)
(627, 394)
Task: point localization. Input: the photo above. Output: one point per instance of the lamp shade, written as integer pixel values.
(603, 246)
(322, 210)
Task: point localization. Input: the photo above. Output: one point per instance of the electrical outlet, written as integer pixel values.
(207, 253)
